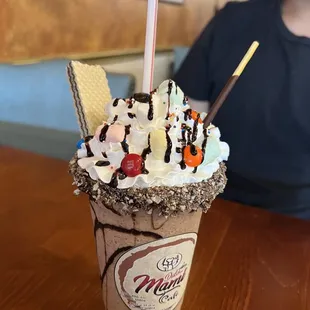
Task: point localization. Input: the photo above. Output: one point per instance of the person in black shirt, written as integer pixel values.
(266, 118)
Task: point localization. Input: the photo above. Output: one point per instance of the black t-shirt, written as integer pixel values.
(266, 118)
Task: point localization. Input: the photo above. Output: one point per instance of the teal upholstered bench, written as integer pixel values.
(36, 107)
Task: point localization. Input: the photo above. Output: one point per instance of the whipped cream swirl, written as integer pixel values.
(152, 140)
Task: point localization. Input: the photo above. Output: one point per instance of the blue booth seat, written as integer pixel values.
(36, 106)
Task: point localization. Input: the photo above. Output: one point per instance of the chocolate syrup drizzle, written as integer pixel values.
(131, 115)
(88, 138)
(150, 114)
(169, 147)
(100, 226)
(124, 143)
(114, 180)
(204, 143)
(118, 174)
(188, 114)
(193, 149)
(142, 97)
(170, 86)
(115, 103)
(111, 260)
(102, 163)
(189, 133)
(103, 133)
(182, 162)
(147, 150)
(195, 128)
(115, 119)
(88, 149)
(132, 101)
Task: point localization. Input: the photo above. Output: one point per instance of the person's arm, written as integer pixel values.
(198, 105)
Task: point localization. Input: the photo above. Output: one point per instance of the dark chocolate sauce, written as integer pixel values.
(142, 97)
(131, 115)
(89, 152)
(147, 150)
(115, 118)
(127, 130)
(183, 128)
(195, 128)
(121, 174)
(112, 258)
(169, 148)
(193, 149)
(103, 132)
(182, 162)
(144, 170)
(102, 163)
(204, 143)
(114, 179)
(131, 231)
(88, 138)
(170, 86)
(178, 118)
(131, 102)
(178, 150)
(125, 146)
(150, 113)
(188, 114)
(124, 143)
(189, 132)
(134, 232)
(115, 103)
(104, 154)
(195, 170)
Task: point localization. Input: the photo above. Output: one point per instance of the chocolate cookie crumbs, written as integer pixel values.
(170, 200)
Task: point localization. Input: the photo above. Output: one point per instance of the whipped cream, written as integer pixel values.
(153, 140)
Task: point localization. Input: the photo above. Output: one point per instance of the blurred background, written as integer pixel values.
(39, 38)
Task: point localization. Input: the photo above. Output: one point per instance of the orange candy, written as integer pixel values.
(194, 116)
(192, 156)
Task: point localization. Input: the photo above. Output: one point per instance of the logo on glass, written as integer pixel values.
(169, 263)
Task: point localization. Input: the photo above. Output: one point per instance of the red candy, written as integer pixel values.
(132, 165)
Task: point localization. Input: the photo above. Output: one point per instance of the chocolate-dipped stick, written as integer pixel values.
(230, 84)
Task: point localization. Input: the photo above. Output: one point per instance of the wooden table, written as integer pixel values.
(246, 259)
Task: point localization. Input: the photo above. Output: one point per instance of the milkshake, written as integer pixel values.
(150, 169)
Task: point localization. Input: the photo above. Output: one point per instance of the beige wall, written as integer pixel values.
(56, 28)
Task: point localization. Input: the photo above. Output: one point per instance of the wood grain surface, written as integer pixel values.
(57, 28)
(246, 259)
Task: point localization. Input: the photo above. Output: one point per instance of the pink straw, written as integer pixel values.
(150, 45)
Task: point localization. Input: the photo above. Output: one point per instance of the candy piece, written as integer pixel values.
(115, 133)
(192, 156)
(132, 165)
(194, 116)
(79, 144)
(158, 143)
